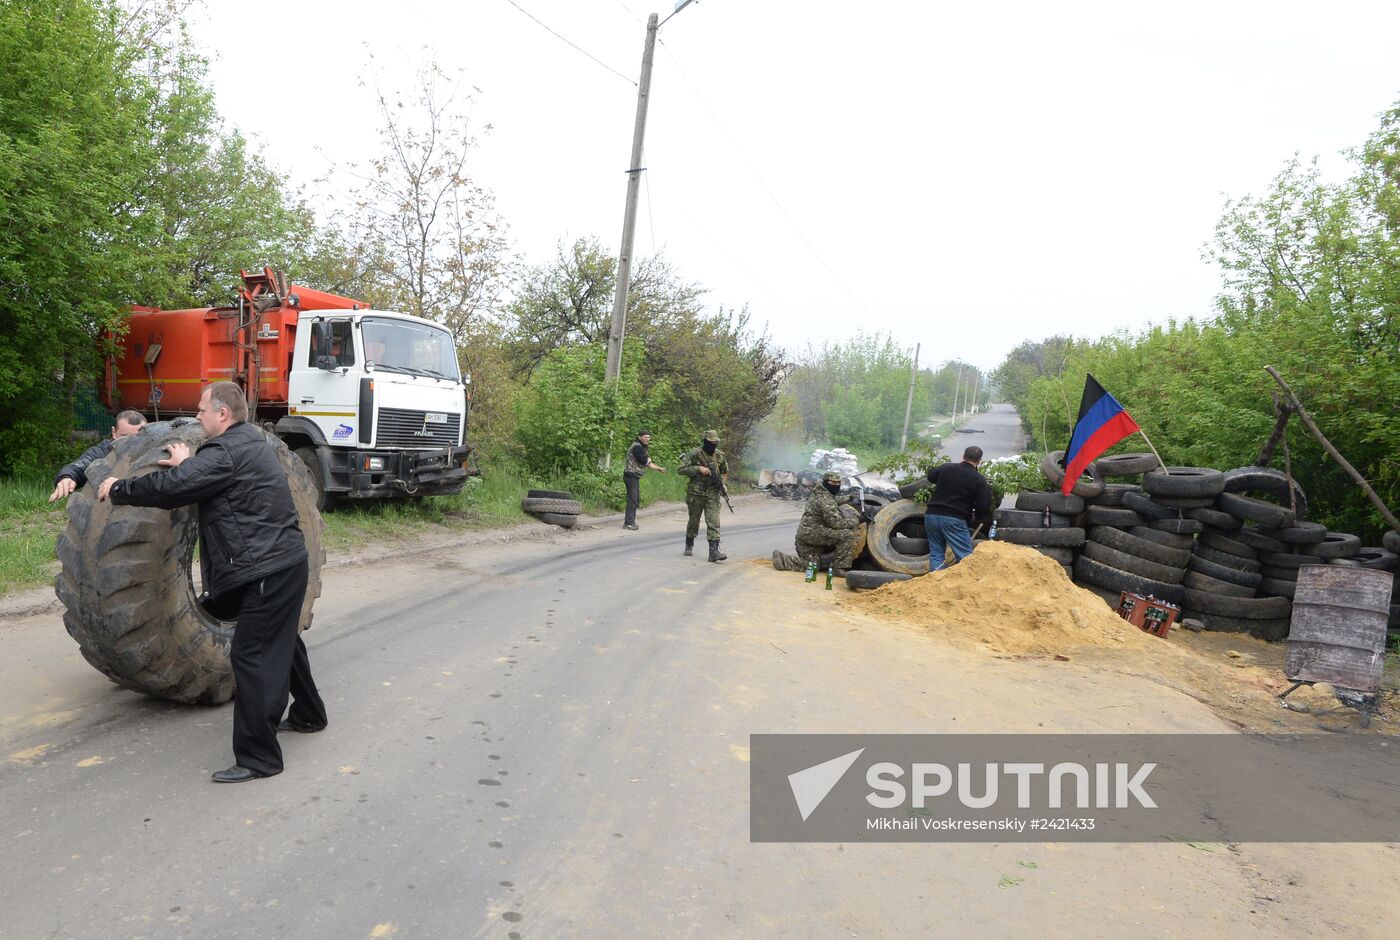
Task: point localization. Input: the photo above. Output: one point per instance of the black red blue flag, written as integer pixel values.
(1102, 423)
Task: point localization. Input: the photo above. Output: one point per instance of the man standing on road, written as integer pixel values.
(960, 494)
(254, 561)
(74, 475)
(827, 528)
(708, 469)
(638, 463)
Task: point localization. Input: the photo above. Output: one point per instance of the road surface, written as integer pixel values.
(998, 433)
(550, 738)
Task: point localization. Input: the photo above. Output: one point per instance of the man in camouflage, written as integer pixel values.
(707, 469)
(826, 529)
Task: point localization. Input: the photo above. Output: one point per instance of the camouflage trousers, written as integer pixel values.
(707, 503)
(814, 541)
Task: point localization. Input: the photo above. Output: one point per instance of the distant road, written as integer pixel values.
(1001, 434)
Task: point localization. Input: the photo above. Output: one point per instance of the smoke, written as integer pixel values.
(774, 449)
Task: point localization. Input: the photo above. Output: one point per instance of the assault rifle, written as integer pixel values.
(715, 479)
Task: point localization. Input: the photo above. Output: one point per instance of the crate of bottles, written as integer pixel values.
(1149, 614)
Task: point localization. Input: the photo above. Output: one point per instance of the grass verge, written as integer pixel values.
(29, 528)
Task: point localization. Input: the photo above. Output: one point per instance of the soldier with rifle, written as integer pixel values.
(707, 469)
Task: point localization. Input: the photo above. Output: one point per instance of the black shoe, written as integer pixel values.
(236, 774)
(689, 547)
(288, 725)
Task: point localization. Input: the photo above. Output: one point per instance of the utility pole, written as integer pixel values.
(613, 370)
(909, 402)
(957, 387)
(976, 384)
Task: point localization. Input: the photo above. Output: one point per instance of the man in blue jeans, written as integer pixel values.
(960, 494)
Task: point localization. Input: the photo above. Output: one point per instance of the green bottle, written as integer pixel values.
(811, 571)
(828, 579)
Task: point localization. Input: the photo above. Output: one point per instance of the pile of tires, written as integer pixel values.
(1391, 543)
(896, 541)
(1051, 523)
(552, 507)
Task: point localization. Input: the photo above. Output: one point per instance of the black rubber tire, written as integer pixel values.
(1064, 556)
(909, 546)
(548, 494)
(1178, 526)
(1270, 587)
(1060, 538)
(1141, 548)
(1148, 508)
(912, 528)
(1112, 494)
(1052, 466)
(1105, 576)
(868, 580)
(1289, 560)
(539, 504)
(1378, 559)
(1227, 559)
(1255, 510)
(1243, 608)
(1337, 545)
(1024, 519)
(1057, 503)
(563, 520)
(1344, 562)
(1162, 538)
(1299, 533)
(1269, 482)
(1252, 537)
(1216, 519)
(1246, 579)
(1272, 630)
(887, 521)
(1391, 541)
(125, 581)
(1125, 465)
(1186, 502)
(1184, 481)
(1118, 518)
(1271, 573)
(1204, 582)
(1227, 544)
(325, 502)
(1131, 563)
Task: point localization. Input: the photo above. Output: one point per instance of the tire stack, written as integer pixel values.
(1391, 543)
(1242, 574)
(1048, 522)
(1138, 542)
(552, 507)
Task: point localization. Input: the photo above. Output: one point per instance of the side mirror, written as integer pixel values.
(329, 363)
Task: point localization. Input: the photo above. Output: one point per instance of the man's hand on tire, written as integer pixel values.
(179, 453)
(63, 490)
(105, 488)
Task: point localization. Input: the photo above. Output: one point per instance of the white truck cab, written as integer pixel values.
(376, 405)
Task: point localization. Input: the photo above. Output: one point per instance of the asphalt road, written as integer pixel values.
(997, 431)
(550, 738)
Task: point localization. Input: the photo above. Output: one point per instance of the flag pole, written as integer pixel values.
(1154, 449)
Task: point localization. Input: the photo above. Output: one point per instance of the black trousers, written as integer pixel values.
(634, 497)
(270, 663)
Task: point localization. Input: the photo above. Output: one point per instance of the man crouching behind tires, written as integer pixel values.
(253, 560)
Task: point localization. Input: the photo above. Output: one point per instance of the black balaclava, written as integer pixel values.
(709, 446)
(832, 488)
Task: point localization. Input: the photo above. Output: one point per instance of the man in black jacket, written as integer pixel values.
(74, 475)
(638, 462)
(960, 495)
(254, 561)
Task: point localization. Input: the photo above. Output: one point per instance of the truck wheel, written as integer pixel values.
(886, 524)
(126, 583)
(564, 507)
(325, 502)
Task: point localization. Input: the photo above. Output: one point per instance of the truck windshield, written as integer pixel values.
(410, 347)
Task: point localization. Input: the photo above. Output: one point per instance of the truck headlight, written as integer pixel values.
(374, 463)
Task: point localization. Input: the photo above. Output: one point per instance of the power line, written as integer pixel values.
(571, 43)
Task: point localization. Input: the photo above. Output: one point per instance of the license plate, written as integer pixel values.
(434, 418)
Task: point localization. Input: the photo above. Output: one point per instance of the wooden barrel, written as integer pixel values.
(1337, 634)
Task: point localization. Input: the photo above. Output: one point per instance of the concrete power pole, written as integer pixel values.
(957, 387)
(629, 216)
(976, 384)
(909, 402)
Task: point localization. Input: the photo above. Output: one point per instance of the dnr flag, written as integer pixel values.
(1102, 423)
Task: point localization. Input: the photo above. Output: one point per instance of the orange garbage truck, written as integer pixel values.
(372, 401)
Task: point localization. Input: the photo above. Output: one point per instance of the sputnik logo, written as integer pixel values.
(811, 786)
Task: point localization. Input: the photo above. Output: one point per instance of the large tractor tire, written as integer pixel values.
(127, 580)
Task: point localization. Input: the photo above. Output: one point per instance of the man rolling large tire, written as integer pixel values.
(126, 583)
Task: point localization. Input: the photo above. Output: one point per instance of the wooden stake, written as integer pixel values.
(1154, 450)
(1333, 452)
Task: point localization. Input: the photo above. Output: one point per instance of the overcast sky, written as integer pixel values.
(965, 176)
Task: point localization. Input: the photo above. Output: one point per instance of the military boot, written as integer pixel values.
(715, 553)
(690, 545)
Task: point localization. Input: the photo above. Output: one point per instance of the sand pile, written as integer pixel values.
(1008, 597)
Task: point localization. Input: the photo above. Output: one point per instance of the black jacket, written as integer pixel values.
(247, 521)
(960, 491)
(77, 470)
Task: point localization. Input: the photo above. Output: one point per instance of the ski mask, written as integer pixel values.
(709, 446)
(832, 488)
